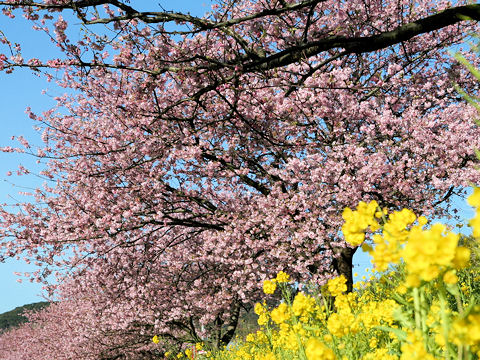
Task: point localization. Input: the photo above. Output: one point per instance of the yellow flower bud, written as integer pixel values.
(450, 277)
(282, 277)
(462, 257)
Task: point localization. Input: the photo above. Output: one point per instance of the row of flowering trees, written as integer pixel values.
(192, 157)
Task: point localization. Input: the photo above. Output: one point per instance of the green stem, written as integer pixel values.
(423, 312)
(416, 304)
(445, 320)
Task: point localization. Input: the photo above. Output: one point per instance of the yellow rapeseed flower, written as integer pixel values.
(450, 277)
(259, 309)
(316, 350)
(337, 286)
(474, 199)
(462, 257)
(422, 220)
(269, 286)
(303, 305)
(475, 224)
(467, 331)
(356, 222)
(414, 348)
(395, 229)
(282, 277)
(281, 313)
(428, 252)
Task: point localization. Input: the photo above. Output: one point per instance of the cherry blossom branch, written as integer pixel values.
(369, 43)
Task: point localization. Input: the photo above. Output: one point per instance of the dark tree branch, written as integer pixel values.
(370, 43)
(251, 60)
(254, 61)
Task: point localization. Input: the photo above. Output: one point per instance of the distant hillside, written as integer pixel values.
(14, 317)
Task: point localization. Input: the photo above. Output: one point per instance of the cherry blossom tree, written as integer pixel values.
(74, 329)
(192, 157)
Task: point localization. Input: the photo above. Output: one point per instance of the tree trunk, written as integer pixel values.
(232, 324)
(218, 332)
(343, 264)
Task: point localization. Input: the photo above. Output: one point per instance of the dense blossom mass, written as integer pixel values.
(192, 158)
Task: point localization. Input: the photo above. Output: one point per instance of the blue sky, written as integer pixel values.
(17, 91)
(22, 89)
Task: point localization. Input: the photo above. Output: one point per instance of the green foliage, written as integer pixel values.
(15, 317)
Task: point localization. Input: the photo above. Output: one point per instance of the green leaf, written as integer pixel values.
(401, 335)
